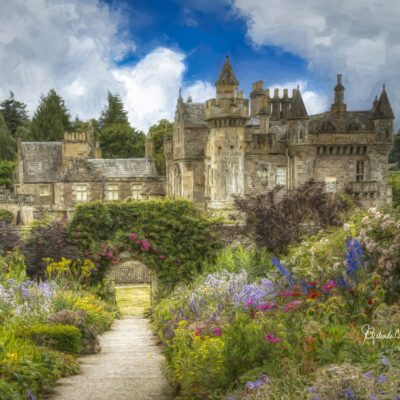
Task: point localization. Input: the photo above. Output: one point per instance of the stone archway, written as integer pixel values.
(131, 272)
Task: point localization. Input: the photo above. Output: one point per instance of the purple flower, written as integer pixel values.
(372, 397)
(382, 378)
(312, 389)
(385, 361)
(368, 374)
(348, 394)
(30, 395)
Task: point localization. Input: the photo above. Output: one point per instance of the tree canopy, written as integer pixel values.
(157, 133)
(7, 142)
(14, 113)
(121, 141)
(114, 113)
(394, 156)
(51, 119)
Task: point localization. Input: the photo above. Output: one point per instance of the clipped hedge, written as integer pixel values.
(394, 182)
(177, 228)
(65, 338)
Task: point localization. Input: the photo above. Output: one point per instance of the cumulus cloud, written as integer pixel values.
(358, 38)
(199, 91)
(151, 87)
(73, 46)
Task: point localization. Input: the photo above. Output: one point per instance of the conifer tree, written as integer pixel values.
(157, 133)
(7, 142)
(114, 113)
(14, 113)
(51, 119)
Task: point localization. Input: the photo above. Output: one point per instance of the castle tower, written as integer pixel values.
(226, 117)
(339, 108)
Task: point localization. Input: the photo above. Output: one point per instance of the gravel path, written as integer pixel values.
(127, 368)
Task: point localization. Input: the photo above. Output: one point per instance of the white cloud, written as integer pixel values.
(151, 87)
(199, 91)
(358, 38)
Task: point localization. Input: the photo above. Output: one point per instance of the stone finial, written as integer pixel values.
(383, 108)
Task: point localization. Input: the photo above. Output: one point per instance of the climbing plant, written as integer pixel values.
(173, 236)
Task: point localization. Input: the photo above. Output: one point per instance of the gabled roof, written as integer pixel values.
(123, 167)
(42, 161)
(227, 76)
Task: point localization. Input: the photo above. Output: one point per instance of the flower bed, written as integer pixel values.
(303, 330)
(44, 326)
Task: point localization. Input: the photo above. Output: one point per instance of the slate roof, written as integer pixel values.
(194, 114)
(155, 189)
(42, 161)
(123, 167)
(354, 121)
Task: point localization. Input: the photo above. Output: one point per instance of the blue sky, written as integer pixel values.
(145, 50)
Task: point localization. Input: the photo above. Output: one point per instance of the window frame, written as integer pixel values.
(82, 193)
(112, 189)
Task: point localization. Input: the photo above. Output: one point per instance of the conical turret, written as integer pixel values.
(227, 76)
(383, 108)
(298, 109)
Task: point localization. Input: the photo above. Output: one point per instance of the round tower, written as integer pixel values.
(226, 116)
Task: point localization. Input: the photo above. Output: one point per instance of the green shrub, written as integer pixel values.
(183, 236)
(66, 338)
(6, 170)
(6, 216)
(394, 182)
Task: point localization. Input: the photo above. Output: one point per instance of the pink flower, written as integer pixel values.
(78, 234)
(248, 303)
(102, 245)
(161, 257)
(58, 220)
(328, 286)
(110, 255)
(198, 331)
(118, 259)
(272, 338)
(217, 331)
(286, 293)
(120, 246)
(132, 236)
(179, 260)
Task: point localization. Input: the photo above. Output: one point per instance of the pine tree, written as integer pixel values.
(8, 146)
(51, 119)
(14, 113)
(157, 133)
(114, 113)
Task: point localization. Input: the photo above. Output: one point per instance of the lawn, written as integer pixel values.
(133, 300)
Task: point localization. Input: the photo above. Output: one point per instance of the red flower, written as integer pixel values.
(313, 283)
(370, 300)
(351, 290)
(313, 294)
(297, 294)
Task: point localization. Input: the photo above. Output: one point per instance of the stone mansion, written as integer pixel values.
(223, 147)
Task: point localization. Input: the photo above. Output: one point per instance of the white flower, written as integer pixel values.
(346, 227)
(378, 215)
(335, 266)
(372, 210)
(365, 220)
(386, 216)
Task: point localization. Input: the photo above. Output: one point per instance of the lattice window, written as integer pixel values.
(112, 192)
(281, 176)
(136, 191)
(81, 193)
(360, 171)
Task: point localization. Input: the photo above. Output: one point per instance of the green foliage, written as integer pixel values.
(65, 338)
(394, 156)
(6, 173)
(394, 182)
(51, 119)
(157, 133)
(14, 113)
(8, 143)
(119, 140)
(177, 228)
(114, 113)
(256, 262)
(6, 216)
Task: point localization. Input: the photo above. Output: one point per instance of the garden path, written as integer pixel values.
(127, 368)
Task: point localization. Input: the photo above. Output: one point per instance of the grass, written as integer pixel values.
(133, 300)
